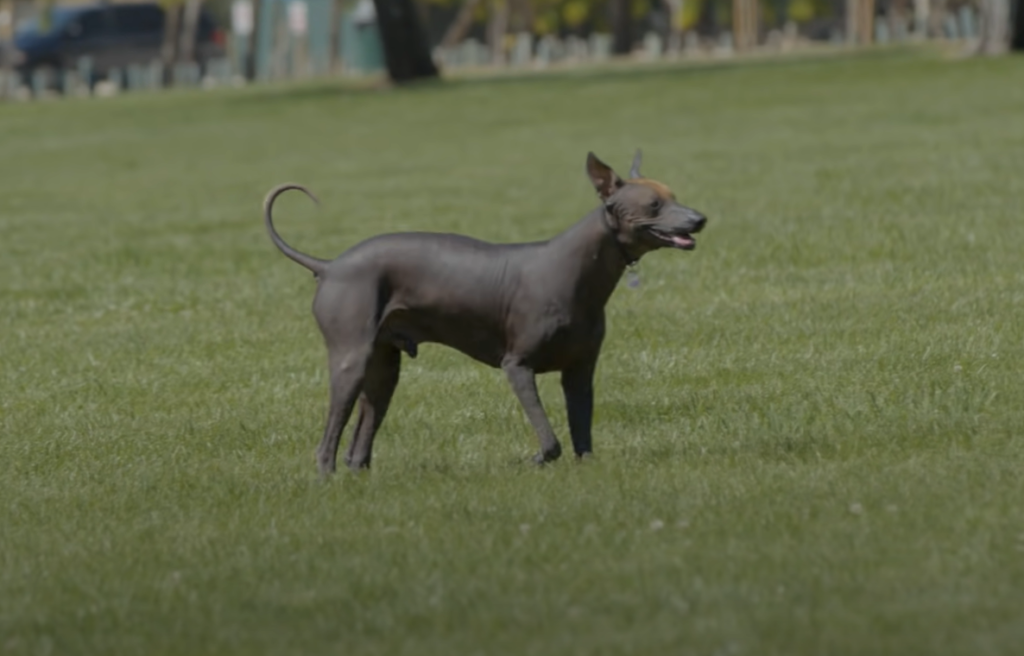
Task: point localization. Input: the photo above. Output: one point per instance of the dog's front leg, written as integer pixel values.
(578, 387)
(524, 384)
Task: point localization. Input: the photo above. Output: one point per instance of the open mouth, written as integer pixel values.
(683, 241)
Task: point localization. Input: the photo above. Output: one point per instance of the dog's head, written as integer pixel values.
(643, 214)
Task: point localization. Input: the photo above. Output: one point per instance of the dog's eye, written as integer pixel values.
(655, 205)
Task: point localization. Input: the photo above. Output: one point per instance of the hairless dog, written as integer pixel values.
(527, 308)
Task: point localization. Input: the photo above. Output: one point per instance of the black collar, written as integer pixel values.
(629, 259)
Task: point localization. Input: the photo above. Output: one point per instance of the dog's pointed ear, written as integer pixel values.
(605, 180)
(634, 170)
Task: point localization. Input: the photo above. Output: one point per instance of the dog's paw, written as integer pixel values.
(550, 455)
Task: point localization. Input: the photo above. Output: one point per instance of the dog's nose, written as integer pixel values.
(698, 221)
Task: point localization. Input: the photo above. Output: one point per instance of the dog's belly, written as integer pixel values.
(565, 347)
(556, 347)
(471, 335)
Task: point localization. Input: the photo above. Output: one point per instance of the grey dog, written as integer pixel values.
(527, 308)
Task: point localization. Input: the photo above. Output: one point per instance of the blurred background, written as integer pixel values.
(810, 435)
(76, 47)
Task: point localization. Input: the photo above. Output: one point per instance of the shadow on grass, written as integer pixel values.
(609, 72)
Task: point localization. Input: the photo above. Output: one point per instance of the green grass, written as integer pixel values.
(810, 431)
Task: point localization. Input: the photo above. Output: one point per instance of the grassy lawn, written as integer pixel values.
(809, 431)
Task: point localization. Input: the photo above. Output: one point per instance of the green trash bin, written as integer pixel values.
(361, 50)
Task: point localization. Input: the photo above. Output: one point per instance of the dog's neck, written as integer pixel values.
(601, 259)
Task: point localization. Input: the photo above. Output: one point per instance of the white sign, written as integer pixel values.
(298, 17)
(242, 17)
(364, 13)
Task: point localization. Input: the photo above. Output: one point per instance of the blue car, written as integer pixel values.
(112, 36)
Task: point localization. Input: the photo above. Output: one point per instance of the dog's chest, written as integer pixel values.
(566, 340)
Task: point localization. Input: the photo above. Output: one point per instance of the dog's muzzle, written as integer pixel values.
(681, 237)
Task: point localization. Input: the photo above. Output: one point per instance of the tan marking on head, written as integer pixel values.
(662, 190)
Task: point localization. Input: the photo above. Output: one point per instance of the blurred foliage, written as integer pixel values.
(44, 14)
(804, 10)
(218, 10)
(575, 12)
(550, 16)
(688, 16)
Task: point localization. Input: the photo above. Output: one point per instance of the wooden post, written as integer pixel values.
(922, 11)
(860, 21)
(851, 20)
(189, 31)
(6, 34)
(737, 24)
(744, 24)
(866, 24)
(169, 47)
(497, 25)
(995, 27)
(675, 30)
(622, 27)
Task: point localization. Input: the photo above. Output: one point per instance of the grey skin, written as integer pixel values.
(526, 308)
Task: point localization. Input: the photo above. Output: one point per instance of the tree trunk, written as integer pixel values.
(744, 21)
(521, 16)
(622, 27)
(897, 13)
(781, 8)
(707, 17)
(866, 22)
(860, 21)
(189, 31)
(852, 21)
(995, 27)
(922, 10)
(254, 41)
(1018, 28)
(337, 10)
(497, 26)
(6, 33)
(169, 49)
(675, 30)
(463, 21)
(406, 51)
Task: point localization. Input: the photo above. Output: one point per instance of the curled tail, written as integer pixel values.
(313, 264)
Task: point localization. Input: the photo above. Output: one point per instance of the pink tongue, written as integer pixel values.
(682, 241)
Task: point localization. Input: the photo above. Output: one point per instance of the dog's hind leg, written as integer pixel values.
(378, 386)
(347, 374)
(346, 314)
